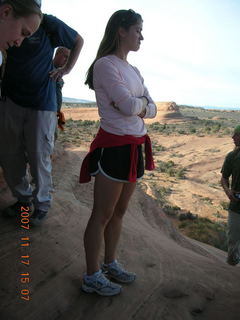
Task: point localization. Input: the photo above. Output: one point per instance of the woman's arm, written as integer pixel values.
(107, 76)
(151, 108)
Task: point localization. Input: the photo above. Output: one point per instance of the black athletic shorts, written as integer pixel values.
(114, 162)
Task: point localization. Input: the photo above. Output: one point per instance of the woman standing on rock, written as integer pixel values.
(18, 19)
(115, 157)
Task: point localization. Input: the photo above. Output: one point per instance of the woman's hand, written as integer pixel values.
(114, 105)
(145, 103)
(142, 114)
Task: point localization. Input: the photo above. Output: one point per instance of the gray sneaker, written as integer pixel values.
(15, 209)
(38, 217)
(100, 284)
(116, 271)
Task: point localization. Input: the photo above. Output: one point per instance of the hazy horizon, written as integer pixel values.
(79, 100)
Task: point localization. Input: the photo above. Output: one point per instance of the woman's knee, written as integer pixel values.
(120, 210)
(102, 216)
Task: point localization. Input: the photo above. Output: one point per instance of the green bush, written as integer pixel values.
(171, 169)
(171, 210)
(157, 126)
(159, 148)
(207, 231)
(224, 205)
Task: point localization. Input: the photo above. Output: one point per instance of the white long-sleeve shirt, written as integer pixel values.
(118, 87)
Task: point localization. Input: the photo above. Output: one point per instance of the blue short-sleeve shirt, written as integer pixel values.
(26, 79)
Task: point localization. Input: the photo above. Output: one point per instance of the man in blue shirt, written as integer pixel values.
(28, 113)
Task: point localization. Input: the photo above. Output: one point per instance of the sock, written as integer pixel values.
(111, 263)
(93, 275)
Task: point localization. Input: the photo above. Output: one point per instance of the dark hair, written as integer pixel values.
(23, 8)
(110, 41)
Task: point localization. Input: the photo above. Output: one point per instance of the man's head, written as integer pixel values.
(18, 19)
(236, 136)
(61, 57)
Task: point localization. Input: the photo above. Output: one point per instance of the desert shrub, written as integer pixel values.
(157, 126)
(159, 148)
(227, 131)
(177, 155)
(214, 185)
(97, 124)
(224, 205)
(87, 123)
(206, 200)
(213, 150)
(207, 129)
(216, 127)
(164, 166)
(161, 194)
(181, 131)
(171, 210)
(163, 191)
(218, 215)
(171, 169)
(187, 216)
(207, 231)
(180, 173)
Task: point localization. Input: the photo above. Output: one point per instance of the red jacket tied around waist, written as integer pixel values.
(105, 139)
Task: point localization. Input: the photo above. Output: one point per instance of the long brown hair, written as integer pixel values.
(110, 41)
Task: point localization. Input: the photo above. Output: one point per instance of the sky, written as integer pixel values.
(190, 53)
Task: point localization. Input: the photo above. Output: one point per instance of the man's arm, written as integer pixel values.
(74, 53)
(227, 190)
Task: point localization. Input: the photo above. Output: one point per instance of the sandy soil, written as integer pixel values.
(177, 278)
(81, 113)
(200, 192)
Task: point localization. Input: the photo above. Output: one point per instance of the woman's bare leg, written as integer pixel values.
(114, 226)
(106, 195)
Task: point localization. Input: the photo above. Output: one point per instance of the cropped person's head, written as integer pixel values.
(18, 19)
(236, 136)
(61, 57)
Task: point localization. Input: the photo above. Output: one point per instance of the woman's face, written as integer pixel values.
(131, 39)
(14, 30)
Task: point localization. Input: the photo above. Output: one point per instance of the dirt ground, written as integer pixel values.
(177, 278)
(202, 157)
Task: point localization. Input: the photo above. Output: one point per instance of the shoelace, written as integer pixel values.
(119, 267)
(101, 279)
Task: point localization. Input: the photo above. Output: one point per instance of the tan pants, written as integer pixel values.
(27, 135)
(233, 231)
